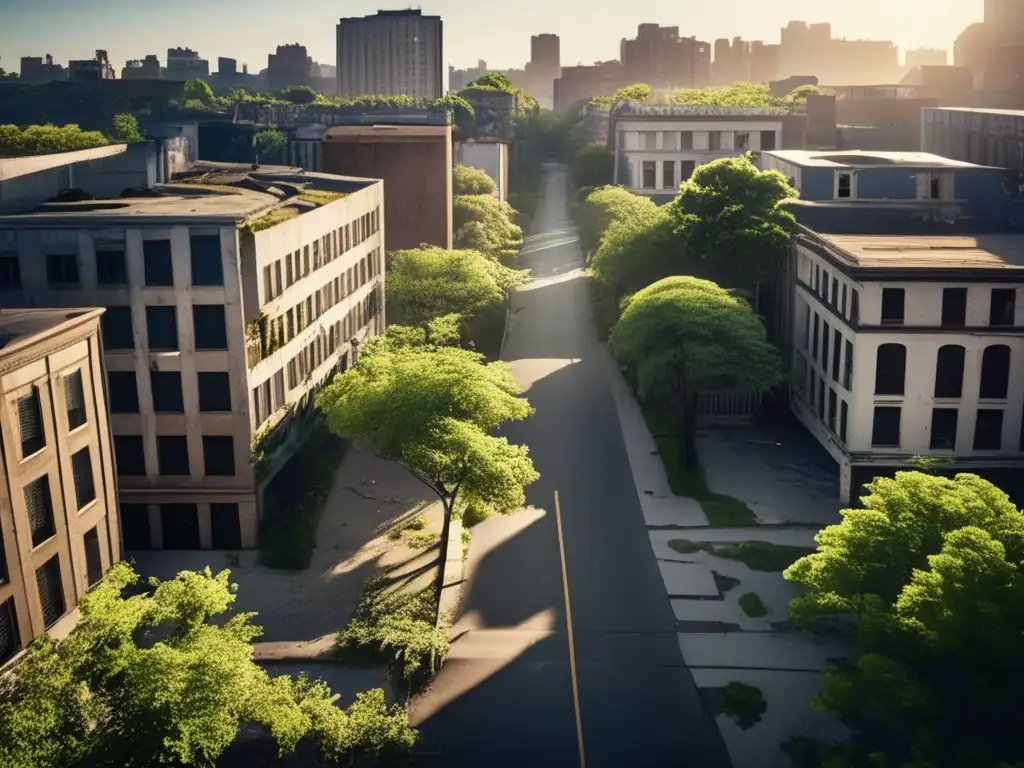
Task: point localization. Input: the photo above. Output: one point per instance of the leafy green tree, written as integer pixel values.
(434, 411)
(730, 215)
(200, 91)
(637, 92)
(927, 577)
(47, 139)
(297, 94)
(269, 143)
(430, 282)
(604, 205)
(483, 223)
(148, 678)
(472, 181)
(593, 166)
(463, 114)
(125, 129)
(683, 336)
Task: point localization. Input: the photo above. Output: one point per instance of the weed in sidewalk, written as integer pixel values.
(395, 628)
(753, 605)
(417, 523)
(724, 583)
(744, 703)
(686, 547)
(421, 539)
(763, 555)
(467, 539)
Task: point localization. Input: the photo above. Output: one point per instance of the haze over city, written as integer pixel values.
(248, 31)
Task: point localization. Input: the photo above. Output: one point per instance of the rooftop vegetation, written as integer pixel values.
(271, 219)
(321, 197)
(747, 95)
(51, 139)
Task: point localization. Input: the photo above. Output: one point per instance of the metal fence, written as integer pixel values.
(728, 407)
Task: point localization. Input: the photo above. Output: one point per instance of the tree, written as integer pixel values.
(47, 139)
(434, 411)
(730, 215)
(268, 143)
(463, 114)
(593, 166)
(683, 336)
(297, 94)
(125, 129)
(472, 181)
(199, 91)
(929, 571)
(148, 678)
(637, 92)
(603, 206)
(484, 223)
(430, 282)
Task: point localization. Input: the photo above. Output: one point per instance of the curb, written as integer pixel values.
(451, 590)
(504, 334)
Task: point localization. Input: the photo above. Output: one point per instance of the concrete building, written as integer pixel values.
(661, 58)
(291, 65)
(34, 69)
(142, 69)
(658, 147)
(415, 164)
(983, 136)
(232, 296)
(392, 53)
(581, 83)
(58, 509)
(543, 68)
(490, 156)
(91, 70)
(810, 49)
(910, 346)
(460, 78)
(185, 64)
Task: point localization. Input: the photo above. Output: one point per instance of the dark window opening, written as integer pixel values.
(172, 454)
(668, 170)
(130, 455)
(207, 268)
(814, 348)
(225, 527)
(156, 257)
(10, 638)
(51, 591)
(844, 187)
(210, 329)
(93, 560)
(74, 400)
(39, 508)
(62, 270)
(162, 326)
(892, 306)
(111, 267)
(824, 346)
(954, 307)
(949, 371)
(219, 455)
(1001, 310)
(116, 324)
(214, 392)
(854, 307)
(650, 175)
(180, 523)
(848, 367)
(10, 273)
(166, 387)
(767, 141)
(885, 431)
(988, 430)
(934, 189)
(81, 472)
(30, 419)
(995, 372)
(843, 416)
(837, 351)
(832, 403)
(123, 391)
(943, 437)
(135, 526)
(890, 369)
(686, 169)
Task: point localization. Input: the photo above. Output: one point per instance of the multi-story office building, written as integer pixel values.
(58, 508)
(971, 135)
(185, 64)
(544, 67)
(578, 84)
(658, 147)
(661, 58)
(460, 78)
(231, 297)
(34, 69)
(291, 65)
(142, 69)
(392, 53)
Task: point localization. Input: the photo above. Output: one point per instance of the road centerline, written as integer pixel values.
(569, 633)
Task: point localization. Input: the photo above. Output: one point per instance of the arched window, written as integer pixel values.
(949, 371)
(890, 369)
(995, 372)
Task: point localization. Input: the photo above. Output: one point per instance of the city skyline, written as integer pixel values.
(28, 28)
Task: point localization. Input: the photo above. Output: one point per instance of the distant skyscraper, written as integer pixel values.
(544, 67)
(393, 53)
(659, 57)
(185, 64)
(291, 65)
(460, 78)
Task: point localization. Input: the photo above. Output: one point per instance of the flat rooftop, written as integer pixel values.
(221, 192)
(857, 158)
(635, 109)
(981, 110)
(996, 251)
(13, 167)
(19, 326)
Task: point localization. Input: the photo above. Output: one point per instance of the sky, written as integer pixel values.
(590, 30)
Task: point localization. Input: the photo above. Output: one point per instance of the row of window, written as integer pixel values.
(285, 272)
(39, 501)
(123, 391)
(649, 170)
(988, 428)
(891, 371)
(717, 140)
(835, 294)
(180, 526)
(30, 414)
(63, 270)
(172, 455)
(819, 330)
(832, 410)
(208, 322)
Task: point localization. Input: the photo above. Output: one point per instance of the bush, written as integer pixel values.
(472, 181)
(744, 703)
(47, 140)
(483, 223)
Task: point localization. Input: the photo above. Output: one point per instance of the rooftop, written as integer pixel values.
(996, 251)
(858, 158)
(215, 192)
(982, 110)
(626, 109)
(19, 326)
(13, 167)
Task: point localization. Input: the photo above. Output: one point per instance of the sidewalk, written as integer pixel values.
(719, 641)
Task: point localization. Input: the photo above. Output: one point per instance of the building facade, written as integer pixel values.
(579, 84)
(36, 69)
(392, 53)
(460, 78)
(982, 136)
(185, 64)
(909, 346)
(658, 147)
(226, 309)
(58, 513)
(661, 58)
(291, 65)
(142, 69)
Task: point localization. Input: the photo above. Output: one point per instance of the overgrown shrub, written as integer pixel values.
(744, 703)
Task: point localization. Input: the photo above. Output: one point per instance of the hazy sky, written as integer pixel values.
(248, 30)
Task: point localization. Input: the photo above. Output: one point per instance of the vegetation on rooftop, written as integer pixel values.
(321, 197)
(744, 95)
(52, 139)
(271, 219)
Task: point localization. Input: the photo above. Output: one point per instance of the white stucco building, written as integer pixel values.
(231, 297)
(657, 147)
(907, 346)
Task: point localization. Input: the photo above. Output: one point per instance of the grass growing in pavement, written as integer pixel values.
(294, 500)
(396, 628)
(762, 555)
(421, 539)
(744, 703)
(753, 605)
(686, 547)
(722, 511)
(724, 583)
(417, 523)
